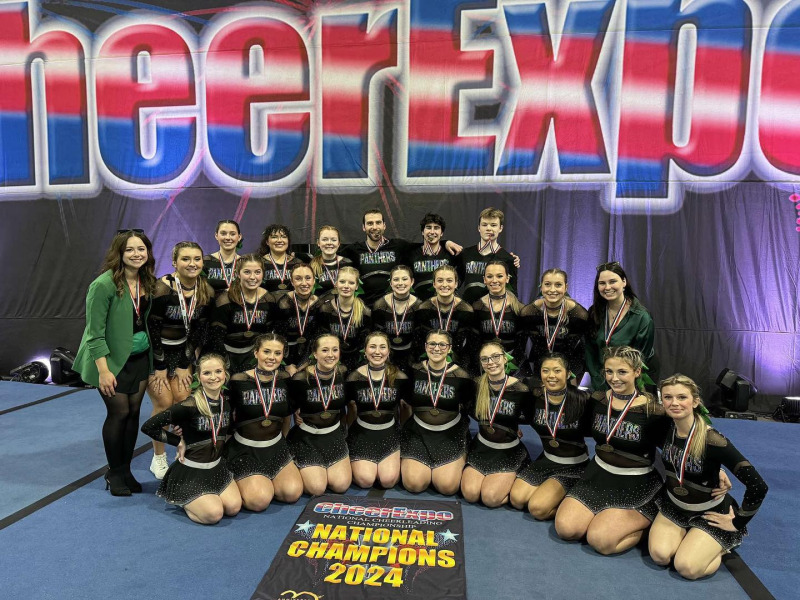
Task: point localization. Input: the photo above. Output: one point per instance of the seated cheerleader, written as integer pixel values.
(318, 443)
(696, 525)
(496, 454)
(615, 500)
(199, 480)
(375, 391)
(258, 455)
(433, 442)
(561, 413)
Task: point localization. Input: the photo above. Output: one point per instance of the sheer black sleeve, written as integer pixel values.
(155, 321)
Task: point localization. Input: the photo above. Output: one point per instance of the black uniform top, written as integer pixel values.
(472, 264)
(424, 265)
(229, 325)
(249, 413)
(213, 270)
(166, 323)
(457, 391)
(572, 426)
(512, 409)
(305, 396)
(701, 476)
(272, 276)
(636, 438)
(326, 280)
(568, 339)
(289, 317)
(383, 319)
(358, 390)
(459, 321)
(374, 267)
(196, 428)
(328, 322)
(510, 332)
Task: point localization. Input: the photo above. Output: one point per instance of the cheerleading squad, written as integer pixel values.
(276, 374)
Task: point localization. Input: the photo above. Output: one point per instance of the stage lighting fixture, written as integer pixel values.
(61, 361)
(736, 390)
(789, 410)
(32, 372)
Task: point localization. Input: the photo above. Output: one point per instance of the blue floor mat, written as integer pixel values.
(13, 394)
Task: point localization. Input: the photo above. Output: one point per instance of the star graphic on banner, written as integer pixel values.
(449, 536)
(304, 527)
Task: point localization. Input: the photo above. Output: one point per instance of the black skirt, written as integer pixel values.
(245, 461)
(599, 489)
(315, 449)
(135, 370)
(173, 357)
(694, 519)
(487, 460)
(434, 448)
(542, 469)
(372, 445)
(183, 484)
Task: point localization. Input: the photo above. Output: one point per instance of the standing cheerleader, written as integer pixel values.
(375, 391)
(318, 443)
(561, 415)
(497, 314)
(617, 318)
(275, 243)
(296, 317)
(346, 317)
(615, 500)
(177, 323)
(696, 525)
(556, 323)
(220, 267)
(258, 455)
(199, 480)
(496, 454)
(434, 440)
(393, 315)
(242, 312)
(115, 353)
(429, 256)
(327, 263)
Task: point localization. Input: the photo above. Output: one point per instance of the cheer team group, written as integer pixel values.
(275, 373)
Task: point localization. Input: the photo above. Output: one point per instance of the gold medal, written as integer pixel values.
(266, 422)
(434, 411)
(490, 429)
(607, 448)
(282, 286)
(301, 340)
(397, 340)
(376, 413)
(248, 334)
(680, 491)
(325, 415)
(553, 444)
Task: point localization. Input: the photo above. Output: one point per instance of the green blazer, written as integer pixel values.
(109, 330)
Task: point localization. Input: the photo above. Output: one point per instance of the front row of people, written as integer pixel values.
(347, 428)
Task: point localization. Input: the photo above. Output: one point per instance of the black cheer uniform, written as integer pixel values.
(375, 267)
(290, 318)
(137, 368)
(279, 274)
(319, 441)
(397, 325)
(375, 434)
(700, 478)
(173, 346)
(471, 266)
(506, 327)
(219, 273)
(326, 278)
(258, 446)
(437, 435)
(229, 334)
(423, 265)
(566, 460)
(568, 339)
(203, 470)
(458, 319)
(328, 321)
(625, 477)
(497, 447)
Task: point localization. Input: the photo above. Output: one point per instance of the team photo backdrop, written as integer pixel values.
(663, 134)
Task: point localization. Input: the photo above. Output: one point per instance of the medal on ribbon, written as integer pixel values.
(267, 408)
(186, 313)
(554, 429)
(376, 400)
(435, 398)
(496, 406)
(326, 400)
(551, 339)
(681, 471)
(398, 326)
(228, 275)
(137, 302)
(344, 331)
(301, 325)
(249, 319)
(490, 245)
(445, 326)
(607, 447)
(609, 331)
(216, 424)
(497, 322)
(280, 275)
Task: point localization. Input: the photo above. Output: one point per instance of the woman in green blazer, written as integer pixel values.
(115, 354)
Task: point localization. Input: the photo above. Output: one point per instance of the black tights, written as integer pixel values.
(121, 427)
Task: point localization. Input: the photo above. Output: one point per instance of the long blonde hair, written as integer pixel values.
(316, 262)
(482, 398)
(697, 448)
(358, 303)
(198, 395)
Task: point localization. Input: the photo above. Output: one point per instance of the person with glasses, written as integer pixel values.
(555, 323)
(434, 440)
(275, 247)
(327, 263)
(115, 354)
(220, 267)
(561, 416)
(375, 391)
(393, 314)
(496, 454)
(617, 318)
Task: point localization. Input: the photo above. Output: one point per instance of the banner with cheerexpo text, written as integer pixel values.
(353, 547)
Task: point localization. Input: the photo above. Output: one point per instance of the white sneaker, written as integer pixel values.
(159, 465)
